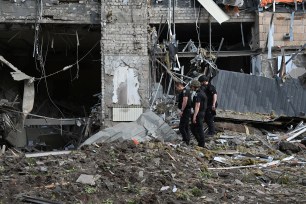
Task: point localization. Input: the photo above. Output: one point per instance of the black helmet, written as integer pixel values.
(203, 78)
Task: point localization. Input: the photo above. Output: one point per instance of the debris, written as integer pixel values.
(214, 10)
(3, 149)
(135, 141)
(201, 154)
(238, 182)
(38, 200)
(174, 189)
(222, 160)
(164, 188)
(17, 75)
(288, 147)
(88, 179)
(272, 137)
(43, 169)
(228, 152)
(148, 126)
(297, 132)
(171, 156)
(44, 154)
(288, 158)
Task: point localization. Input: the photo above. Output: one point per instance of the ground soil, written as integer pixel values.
(156, 172)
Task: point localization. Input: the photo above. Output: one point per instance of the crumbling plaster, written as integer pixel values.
(128, 76)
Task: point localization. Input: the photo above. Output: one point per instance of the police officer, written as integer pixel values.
(199, 103)
(184, 104)
(212, 104)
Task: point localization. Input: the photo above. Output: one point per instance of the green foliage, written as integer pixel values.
(283, 179)
(131, 202)
(108, 201)
(31, 161)
(196, 192)
(183, 195)
(90, 189)
(205, 174)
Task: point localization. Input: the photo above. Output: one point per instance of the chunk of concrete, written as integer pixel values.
(148, 126)
(88, 179)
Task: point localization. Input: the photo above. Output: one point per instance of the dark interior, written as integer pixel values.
(55, 48)
(231, 32)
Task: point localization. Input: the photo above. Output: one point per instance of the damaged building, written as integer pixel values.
(70, 67)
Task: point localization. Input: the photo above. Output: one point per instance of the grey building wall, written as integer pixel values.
(88, 11)
(52, 11)
(125, 60)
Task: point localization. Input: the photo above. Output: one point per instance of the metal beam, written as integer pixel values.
(66, 121)
(220, 54)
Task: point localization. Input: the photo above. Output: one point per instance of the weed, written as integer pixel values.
(108, 201)
(90, 189)
(283, 179)
(131, 202)
(30, 161)
(182, 195)
(196, 192)
(205, 174)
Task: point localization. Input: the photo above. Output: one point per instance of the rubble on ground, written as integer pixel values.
(238, 166)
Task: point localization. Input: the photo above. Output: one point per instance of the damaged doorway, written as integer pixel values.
(65, 61)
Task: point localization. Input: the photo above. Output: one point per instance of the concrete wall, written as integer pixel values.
(125, 60)
(282, 26)
(83, 12)
(125, 63)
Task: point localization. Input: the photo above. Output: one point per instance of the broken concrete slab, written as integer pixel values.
(148, 126)
(88, 179)
(156, 126)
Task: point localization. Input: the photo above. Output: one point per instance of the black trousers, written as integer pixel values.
(184, 125)
(209, 119)
(197, 128)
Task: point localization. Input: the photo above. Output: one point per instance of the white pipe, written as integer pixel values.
(298, 129)
(296, 134)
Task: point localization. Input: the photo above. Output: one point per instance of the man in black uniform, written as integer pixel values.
(212, 104)
(184, 104)
(199, 103)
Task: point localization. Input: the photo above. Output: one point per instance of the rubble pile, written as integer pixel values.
(237, 167)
